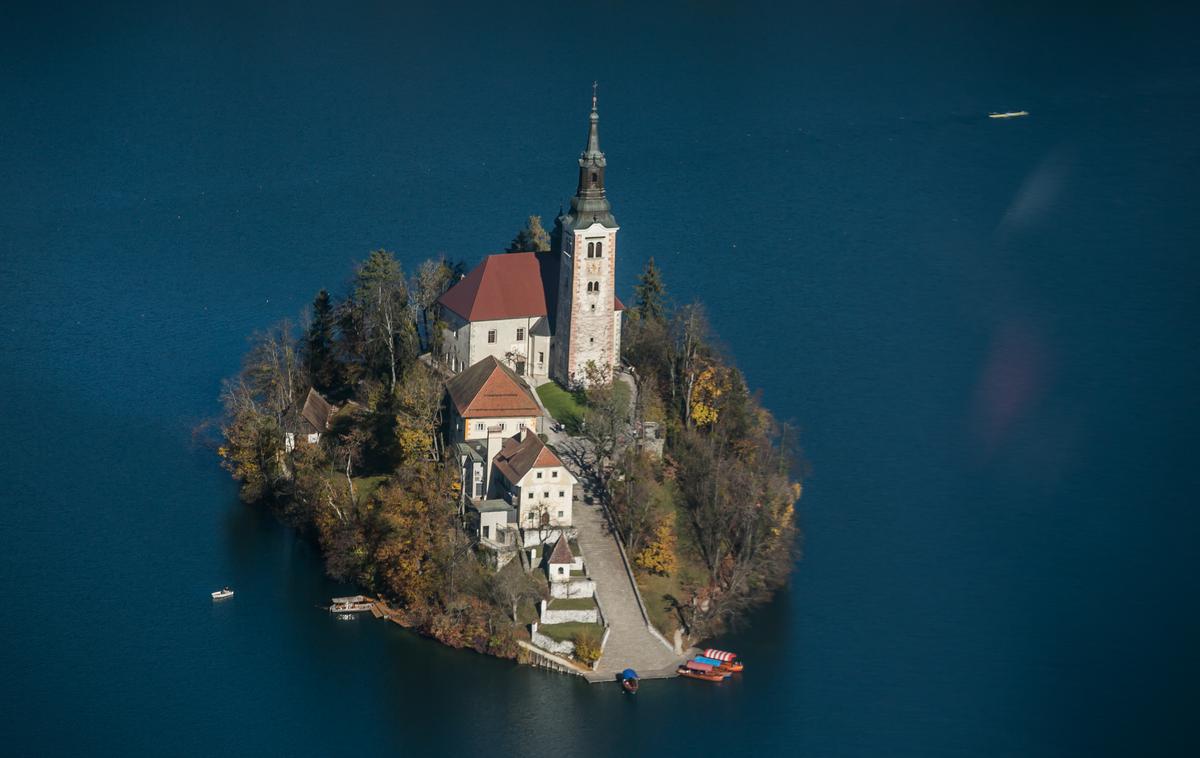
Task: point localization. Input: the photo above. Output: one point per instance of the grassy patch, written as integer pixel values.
(571, 604)
(578, 572)
(656, 592)
(563, 406)
(364, 486)
(565, 632)
(660, 593)
(527, 613)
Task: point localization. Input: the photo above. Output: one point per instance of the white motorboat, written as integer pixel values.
(222, 594)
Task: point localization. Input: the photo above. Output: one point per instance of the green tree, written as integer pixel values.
(320, 359)
(532, 239)
(388, 334)
(253, 447)
(651, 294)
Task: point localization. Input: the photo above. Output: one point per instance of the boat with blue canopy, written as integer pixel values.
(629, 681)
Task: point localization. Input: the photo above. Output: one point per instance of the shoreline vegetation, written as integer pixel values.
(709, 525)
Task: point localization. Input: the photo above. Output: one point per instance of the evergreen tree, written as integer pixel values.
(324, 371)
(533, 238)
(651, 295)
(387, 330)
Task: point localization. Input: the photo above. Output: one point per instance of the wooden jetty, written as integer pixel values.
(351, 599)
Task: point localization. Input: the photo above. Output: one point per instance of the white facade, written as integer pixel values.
(470, 429)
(546, 490)
(510, 341)
(493, 526)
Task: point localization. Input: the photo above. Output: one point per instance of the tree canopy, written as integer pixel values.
(532, 238)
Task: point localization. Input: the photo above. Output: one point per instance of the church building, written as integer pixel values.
(546, 315)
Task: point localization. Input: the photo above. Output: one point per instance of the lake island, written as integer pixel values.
(514, 461)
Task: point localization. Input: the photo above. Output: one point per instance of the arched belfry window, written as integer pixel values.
(591, 249)
(599, 249)
(594, 177)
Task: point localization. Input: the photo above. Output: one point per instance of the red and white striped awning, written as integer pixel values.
(720, 655)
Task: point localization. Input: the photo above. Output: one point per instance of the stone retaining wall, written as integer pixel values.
(551, 616)
(560, 648)
(573, 588)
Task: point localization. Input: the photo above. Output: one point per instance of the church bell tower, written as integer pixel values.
(588, 328)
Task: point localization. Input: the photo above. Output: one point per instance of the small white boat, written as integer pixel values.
(1010, 114)
(222, 594)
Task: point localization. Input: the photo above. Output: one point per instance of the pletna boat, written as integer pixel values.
(693, 670)
(726, 659)
(629, 681)
(730, 666)
(222, 594)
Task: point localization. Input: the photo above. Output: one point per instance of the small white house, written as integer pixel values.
(561, 561)
(314, 421)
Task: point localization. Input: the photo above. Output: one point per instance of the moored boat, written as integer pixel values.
(629, 681)
(350, 607)
(731, 666)
(723, 658)
(222, 594)
(693, 670)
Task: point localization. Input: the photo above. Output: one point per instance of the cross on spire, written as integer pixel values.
(594, 86)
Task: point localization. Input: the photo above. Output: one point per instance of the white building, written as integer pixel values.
(499, 310)
(488, 400)
(535, 481)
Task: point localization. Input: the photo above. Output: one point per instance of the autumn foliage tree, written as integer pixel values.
(658, 557)
(376, 492)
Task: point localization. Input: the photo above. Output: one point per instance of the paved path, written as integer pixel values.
(630, 644)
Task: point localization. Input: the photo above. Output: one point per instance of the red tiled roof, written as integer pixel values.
(617, 304)
(506, 285)
(489, 389)
(518, 456)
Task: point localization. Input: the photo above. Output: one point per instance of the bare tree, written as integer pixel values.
(688, 333)
(272, 371)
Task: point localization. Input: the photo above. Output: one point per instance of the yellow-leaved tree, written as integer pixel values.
(659, 556)
(706, 392)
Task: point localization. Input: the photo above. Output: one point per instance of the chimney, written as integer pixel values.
(494, 441)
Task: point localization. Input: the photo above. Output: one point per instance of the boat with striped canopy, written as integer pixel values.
(720, 655)
(734, 666)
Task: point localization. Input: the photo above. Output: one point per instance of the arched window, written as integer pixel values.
(599, 248)
(593, 177)
(591, 249)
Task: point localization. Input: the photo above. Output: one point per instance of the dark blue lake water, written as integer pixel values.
(986, 329)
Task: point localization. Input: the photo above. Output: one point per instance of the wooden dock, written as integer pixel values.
(352, 599)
